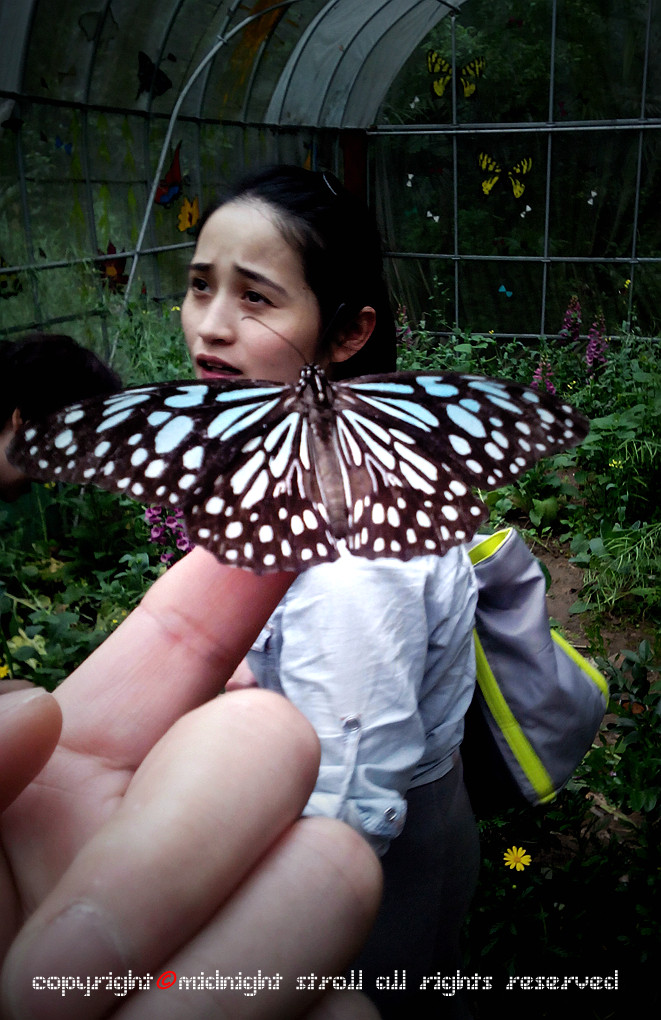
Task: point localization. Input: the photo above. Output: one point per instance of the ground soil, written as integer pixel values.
(566, 582)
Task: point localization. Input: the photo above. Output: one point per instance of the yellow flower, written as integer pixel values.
(516, 858)
(4, 671)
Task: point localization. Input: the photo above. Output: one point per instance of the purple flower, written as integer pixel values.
(167, 529)
(542, 377)
(571, 324)
(595, 353)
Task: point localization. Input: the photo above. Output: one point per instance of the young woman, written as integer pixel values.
(377, 654)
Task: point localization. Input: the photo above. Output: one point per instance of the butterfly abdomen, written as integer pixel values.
(329, 469)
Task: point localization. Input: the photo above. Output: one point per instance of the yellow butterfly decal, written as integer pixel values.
(491, 167)
(442, 70)
(10, 283)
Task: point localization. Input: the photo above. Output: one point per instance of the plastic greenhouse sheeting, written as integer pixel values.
(130, 55)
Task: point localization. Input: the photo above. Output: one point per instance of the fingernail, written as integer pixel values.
(15, 695)
(52, 973)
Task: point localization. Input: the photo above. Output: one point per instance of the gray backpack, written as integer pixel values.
(538, 704)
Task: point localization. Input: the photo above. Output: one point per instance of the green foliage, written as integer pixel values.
(590, 900)
(73, 563)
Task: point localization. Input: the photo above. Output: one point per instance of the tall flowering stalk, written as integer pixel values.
(595, 353)
(571, 324)
(167, 529)
(403, 328)
(541, 380)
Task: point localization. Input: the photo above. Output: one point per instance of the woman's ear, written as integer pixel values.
(354, 334)
(16, 420)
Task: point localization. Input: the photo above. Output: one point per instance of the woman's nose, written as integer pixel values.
(218, 323)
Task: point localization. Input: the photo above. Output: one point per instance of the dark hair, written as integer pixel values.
(46, 371)
(340, 248)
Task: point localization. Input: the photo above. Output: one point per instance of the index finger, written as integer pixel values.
(173, 652)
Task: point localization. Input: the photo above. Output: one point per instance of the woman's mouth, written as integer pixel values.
(214, 368)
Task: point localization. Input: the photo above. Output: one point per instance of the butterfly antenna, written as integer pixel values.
(281, 335)
(324, 336)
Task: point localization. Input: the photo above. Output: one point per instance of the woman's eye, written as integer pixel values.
(255, 298)
(197, 283)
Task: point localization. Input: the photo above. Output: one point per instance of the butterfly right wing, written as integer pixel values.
(234, 457)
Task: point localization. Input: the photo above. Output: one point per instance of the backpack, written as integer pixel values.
(538, 703)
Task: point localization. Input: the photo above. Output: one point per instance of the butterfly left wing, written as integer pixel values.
(416, 444)
(442, 71)
(489, 166)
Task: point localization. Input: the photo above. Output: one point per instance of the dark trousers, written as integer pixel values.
(430, 873)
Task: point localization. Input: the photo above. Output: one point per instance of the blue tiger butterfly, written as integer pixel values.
(274, 476)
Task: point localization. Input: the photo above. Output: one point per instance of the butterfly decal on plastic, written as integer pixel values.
(10, 283)
(280, 477)
(171, 185)
(152, 79)
(490, 166)
(468, 75)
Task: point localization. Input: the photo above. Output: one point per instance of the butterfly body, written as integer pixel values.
(274, 476)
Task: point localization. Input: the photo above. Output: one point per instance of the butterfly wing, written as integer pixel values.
(275, 477)
(517, 172)
(150, 77)
(442, 71)
(169, 188)
(415, 446)
(234, 457)
(469, 74)
(153, 443)
(489, 166)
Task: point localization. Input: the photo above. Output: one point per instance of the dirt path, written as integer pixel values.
(566, 582)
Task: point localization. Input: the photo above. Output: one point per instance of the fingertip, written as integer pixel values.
(30, 726)
(270, 716)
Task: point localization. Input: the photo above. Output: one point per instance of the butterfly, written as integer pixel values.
(490, 166)
(170, 187)
(10, 283)
(274, 476)
(65, 146)
(151, 78)
(189, 214)
(468, 74)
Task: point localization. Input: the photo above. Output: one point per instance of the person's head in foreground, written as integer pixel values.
(38, 375)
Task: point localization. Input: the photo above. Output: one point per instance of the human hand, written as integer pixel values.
(163, 834)
(241, 678)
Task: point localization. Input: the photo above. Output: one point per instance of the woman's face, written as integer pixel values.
(248, 312)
